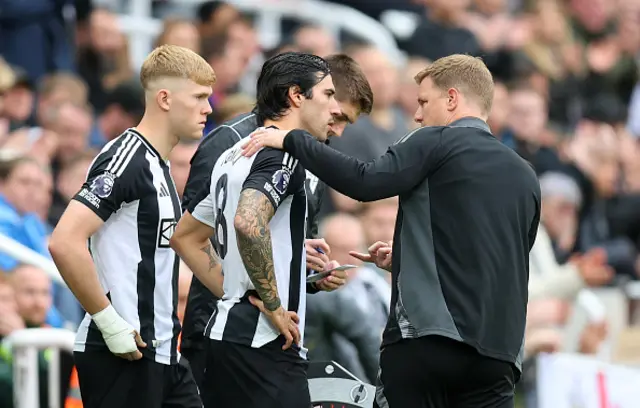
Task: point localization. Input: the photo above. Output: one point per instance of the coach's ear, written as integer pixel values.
(295, 95)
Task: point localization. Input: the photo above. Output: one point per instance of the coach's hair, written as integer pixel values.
(282, 72)
(176, 62)
(350, 82)
(466, 73)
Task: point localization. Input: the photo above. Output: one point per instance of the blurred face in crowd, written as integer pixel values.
(23, 187)
(188, 105)
(73, 126)
(33, 294)
(18, 103)
(592, 14)
(500, 108)
(317, 112)
(242, 35)
(379, 220)
(7, 297)
(315, 40)
(71, 178)
(381, 74)
(344, 233)
(558, 214)
(180, 158)
(595, 150)
(527, 115)
(184, 35)
(229, 67)
(105, 33)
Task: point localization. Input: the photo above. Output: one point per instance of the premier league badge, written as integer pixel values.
(103, 184)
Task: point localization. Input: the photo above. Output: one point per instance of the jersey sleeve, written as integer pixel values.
(201, 207)
(110, 183)
(276, 174)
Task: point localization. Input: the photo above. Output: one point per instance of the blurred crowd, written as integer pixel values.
(567, 99)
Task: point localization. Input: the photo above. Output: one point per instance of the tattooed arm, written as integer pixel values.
(191, 242)
(254, 242)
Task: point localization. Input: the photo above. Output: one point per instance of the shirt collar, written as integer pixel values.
(471, 121)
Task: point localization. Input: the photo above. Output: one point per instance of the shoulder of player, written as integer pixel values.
(125, 158)
(278, 157)
(418, 135)
(235, 129)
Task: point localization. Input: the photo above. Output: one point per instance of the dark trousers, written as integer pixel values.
(107, 381)
(437, 372)
(198, 360)
(239, 376)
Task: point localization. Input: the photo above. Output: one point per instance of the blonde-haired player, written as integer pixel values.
(127, 279)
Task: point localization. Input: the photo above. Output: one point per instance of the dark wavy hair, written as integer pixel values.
(279, 74)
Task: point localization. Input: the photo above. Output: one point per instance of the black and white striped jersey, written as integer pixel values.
(277, 175)
(129, 186)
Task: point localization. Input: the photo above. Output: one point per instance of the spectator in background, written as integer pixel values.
(561, 198)
(32, 289)
(337, 326)
(57, 89)
(499, 116)
(408, 93)
(214, 17)
(68, 182)
(379, 221)
(229, 62)
(124, 107)
(72, 124)
(180, 160)
(19, 100)
(180, 32)
(21, 179)
(34, 36)
(314, 39)
(105, 61)
(440, 24)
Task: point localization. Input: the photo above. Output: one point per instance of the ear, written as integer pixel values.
(453, 99)
(163, 99)
(295, 96)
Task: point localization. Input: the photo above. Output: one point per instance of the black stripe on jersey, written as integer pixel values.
(242, 321)
(124, 154)
(296, 221)
(148, 220)
(176, 271)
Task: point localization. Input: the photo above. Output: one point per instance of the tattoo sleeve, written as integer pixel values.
(254, 242)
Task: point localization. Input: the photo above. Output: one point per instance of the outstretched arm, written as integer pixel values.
(406, 164)
(251, 222)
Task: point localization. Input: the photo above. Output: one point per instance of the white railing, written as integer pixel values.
(24, 345)
(142, 29)
(28, 256)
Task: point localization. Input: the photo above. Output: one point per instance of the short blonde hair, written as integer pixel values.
(466, 73)
(176, 62)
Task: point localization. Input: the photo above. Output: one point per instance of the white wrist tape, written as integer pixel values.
(117, 333)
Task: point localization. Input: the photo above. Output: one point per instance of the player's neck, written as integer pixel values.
(158, 135)
(288, 122)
